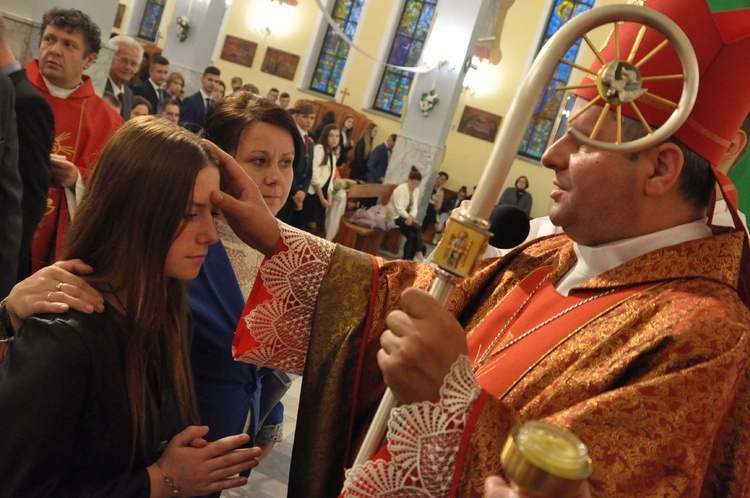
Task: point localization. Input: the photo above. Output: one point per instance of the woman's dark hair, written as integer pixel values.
(133, 208)
(519, 178)
(323, 139)
(328, 118)
(414, 174)
(229, 117)
(346, 131)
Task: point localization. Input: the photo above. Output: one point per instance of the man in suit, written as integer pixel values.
(377, 163)
(151, 89)
(36, 132)
(125, 63)
(304, 116)
(169, 109)
(193, 110)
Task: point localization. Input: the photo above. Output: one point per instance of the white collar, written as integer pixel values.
(593, 261)
(59, 92)
(156, 87)
(117, 89)
(205, 95)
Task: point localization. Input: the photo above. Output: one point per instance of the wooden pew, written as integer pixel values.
(358, 237)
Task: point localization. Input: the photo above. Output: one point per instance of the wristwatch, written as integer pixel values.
(6, 327)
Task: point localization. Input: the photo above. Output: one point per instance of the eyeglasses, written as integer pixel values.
(126, 61)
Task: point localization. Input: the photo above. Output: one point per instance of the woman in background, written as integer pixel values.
(174, 85)
(517, 196)
(345, 143)
(327, 119)
(141, 107)
(319, 193)
(404, 203)
(362, 151)
(116, 386)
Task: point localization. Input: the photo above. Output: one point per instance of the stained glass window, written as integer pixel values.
(538, 132)
(406, 49)
(151, 19)
(334, 51)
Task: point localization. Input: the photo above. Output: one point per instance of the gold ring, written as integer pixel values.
(48, 295)
(59, 286)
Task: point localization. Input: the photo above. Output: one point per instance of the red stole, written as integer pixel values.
(498, 374)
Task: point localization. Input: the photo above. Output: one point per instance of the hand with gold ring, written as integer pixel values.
(53, 289)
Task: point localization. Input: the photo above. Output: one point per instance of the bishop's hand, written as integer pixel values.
(420, 346)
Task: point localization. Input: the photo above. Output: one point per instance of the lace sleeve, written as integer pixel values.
(423, 443)
(278, 320)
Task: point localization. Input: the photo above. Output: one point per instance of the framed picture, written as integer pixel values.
(118, 16)
(280, 63)
(479, 123)
(238, 51)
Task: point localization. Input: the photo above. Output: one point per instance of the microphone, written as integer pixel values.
(509, 226)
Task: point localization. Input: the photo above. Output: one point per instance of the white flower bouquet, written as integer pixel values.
(427, 102)
(182, 25)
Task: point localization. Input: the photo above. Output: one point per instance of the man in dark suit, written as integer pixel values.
(125, 63)
(36, 132)
(151, 89)
(193, 110)
(304, 116)
(377, 163)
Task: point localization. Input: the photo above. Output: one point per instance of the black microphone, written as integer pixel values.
(509, 226)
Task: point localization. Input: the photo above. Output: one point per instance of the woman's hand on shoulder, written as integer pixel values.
(198, 467)
(53, 289)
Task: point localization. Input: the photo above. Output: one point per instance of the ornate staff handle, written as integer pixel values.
(467, 235)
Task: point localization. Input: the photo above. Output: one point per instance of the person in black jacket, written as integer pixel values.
(36, 132)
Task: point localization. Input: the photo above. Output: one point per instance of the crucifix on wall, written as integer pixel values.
(343, 94)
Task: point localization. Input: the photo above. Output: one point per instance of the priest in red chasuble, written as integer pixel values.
(69, 44)
(631, 329)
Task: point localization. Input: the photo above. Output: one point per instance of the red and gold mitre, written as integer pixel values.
(719, 31)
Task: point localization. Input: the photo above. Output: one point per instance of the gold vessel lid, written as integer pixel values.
(545, 459)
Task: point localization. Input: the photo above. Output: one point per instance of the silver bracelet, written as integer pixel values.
(170, 482)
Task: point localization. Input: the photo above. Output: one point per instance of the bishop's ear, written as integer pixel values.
(666, 162)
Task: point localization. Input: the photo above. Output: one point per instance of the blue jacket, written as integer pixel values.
(377, 163)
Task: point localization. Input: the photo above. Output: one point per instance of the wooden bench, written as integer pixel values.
(355, 236)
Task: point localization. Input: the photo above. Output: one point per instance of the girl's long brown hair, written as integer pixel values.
(131, 212)
(367, 137)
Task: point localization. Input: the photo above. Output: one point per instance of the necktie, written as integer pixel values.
(307, 142)
(208, 102)
(121, 97)
(162, 94)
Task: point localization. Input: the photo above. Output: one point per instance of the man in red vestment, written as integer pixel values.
(83, 121)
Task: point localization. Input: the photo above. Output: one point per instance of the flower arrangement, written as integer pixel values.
(427, 102)
(342, 184)
(183, 28)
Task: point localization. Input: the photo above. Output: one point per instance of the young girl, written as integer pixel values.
(98, 405)
(321, 186)
(345, 129)
(405, 203)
